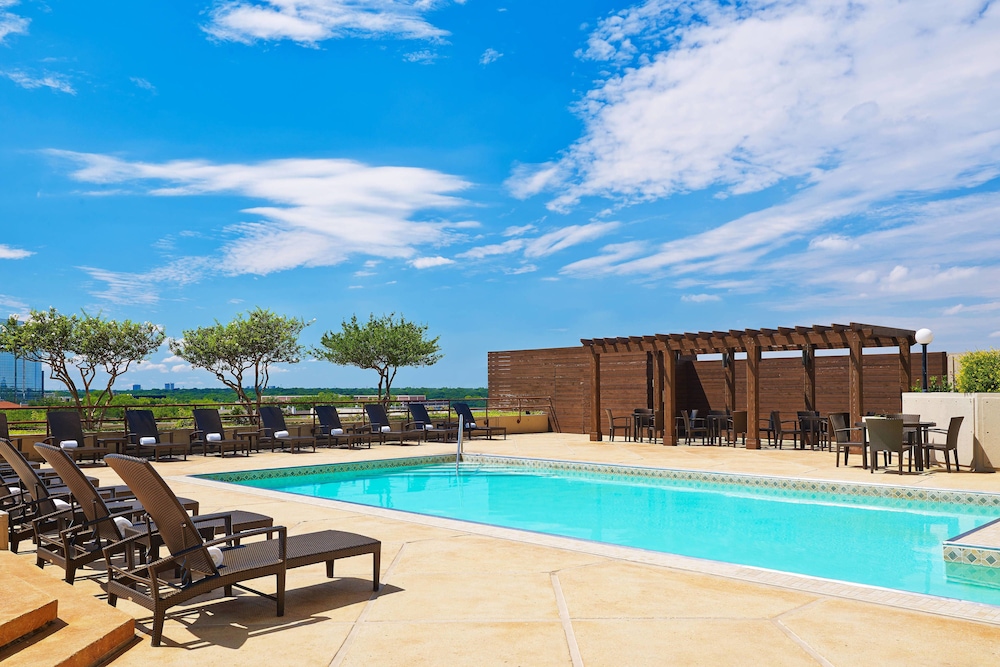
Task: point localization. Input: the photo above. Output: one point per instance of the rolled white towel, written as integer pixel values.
(147, 440)
(61, 504)
(69, 444)
(281, 434)
(13, 490)
(122, 523)
(386, 429)
(213, 437)
(471, 425)
(336, 431)
(216, 554)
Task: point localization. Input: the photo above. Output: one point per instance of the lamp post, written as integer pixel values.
(925, 337)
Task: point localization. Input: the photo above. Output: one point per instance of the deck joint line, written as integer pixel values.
(567, 622)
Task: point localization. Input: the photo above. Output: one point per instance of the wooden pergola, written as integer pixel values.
(666, 349)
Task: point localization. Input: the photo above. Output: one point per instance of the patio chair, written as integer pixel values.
(210, 436)
(331, 431)
(615, 423)
(643, 424)
(66, 431)
(844, 437)
(144, 436)
(380, 427)
(275, 433)
(951, 441)
(33, 500)
(810, 428)
(693, 426)
(471, 427)
(217, 563)
(774, 427)
(886, 435)
(419, 419)
(737, 426)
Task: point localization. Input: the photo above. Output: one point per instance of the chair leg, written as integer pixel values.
(158, 626)
(281, 592)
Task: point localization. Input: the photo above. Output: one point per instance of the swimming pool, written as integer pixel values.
(869, 534)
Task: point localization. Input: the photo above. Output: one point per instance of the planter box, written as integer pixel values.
(534, 423)
(979, 439)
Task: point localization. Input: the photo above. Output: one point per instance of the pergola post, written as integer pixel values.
(905, 367)
(753, 393)
(659, 418)
(856, 376)
(669, 396)
(595, 395)
(809, 385)
(729, 372)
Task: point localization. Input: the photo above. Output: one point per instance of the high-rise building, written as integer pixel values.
(20, 380)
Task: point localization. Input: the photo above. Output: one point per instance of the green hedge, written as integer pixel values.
(980, 371)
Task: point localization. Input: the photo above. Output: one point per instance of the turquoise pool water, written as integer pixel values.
(877, 541)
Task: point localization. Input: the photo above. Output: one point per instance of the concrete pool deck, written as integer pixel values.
(453, 595)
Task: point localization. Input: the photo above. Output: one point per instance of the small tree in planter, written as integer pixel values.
(980, 372)
(383, 344)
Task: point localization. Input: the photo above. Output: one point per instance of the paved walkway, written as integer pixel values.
(457, 597)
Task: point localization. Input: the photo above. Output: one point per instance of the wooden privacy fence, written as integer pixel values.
(629, 368)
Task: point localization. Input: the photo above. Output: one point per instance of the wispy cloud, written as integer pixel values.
(10, 23)
(566, 237)
(422, 57)
(490, 56)
(311, 21)
(7, 252)
(142, 83)
(700, 298)
(853, 104)
(124, 288)
(313, 212)
(56, 82)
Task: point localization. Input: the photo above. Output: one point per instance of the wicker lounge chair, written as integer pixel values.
(419, 419)
(274, 433)
(66, 431)
(84, 539)
(331, 432)
(193, 555)
(379, 426)
(210, 436)
(470, 425)
(35, 500)
(5, 432)
(144, 436)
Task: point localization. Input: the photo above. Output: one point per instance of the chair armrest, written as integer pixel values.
(196, 436)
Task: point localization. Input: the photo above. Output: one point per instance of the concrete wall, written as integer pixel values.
(979, 439)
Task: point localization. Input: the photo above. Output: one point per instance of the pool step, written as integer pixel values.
(79, 630)
(974, 557)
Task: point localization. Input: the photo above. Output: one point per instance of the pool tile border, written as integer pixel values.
(902, 494)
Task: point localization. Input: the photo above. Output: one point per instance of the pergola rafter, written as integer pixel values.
(665, 350)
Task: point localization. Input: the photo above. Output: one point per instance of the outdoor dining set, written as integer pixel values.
(899, 434)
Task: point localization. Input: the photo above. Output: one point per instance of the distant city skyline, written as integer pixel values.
(512, 174)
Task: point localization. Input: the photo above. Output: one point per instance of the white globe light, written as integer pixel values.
(924, 336)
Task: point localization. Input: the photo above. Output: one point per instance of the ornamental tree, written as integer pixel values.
(87, 348)
(242, 350)
(384, 344)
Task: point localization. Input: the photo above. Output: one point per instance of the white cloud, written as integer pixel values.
(855, 104)
(700, 298)
(55, 82)
(7, 252)
(314, 212)
(430, 262)
(566, 237)
(125, 288)
(504, 248)
(10, 23)
(311, 21)
(142, 83)
(519, 230)
(490, 56)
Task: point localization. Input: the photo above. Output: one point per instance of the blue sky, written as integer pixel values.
(513, 174)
